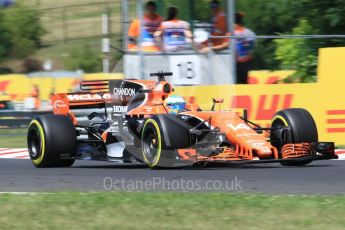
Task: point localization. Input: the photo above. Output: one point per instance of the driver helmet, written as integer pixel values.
(175, 103)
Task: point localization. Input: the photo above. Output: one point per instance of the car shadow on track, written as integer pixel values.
(202, 168)
(115, 166)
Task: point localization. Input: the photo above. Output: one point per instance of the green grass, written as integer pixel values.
(79, 21)
(170, 211)
(13, 138)
(67, 29)
(60, 53)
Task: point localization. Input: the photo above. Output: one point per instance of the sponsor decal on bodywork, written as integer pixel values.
(87, 97)
(120, 109)
(59, 104)
(124, 92)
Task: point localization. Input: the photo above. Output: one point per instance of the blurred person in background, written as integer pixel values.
(35, 93)
(174, 34)
(219, 24)
(244, 49)
(150, 24)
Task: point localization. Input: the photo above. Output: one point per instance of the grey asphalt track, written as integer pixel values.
(320, 177)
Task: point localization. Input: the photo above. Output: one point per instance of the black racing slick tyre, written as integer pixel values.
(161, 136)
(51, 141)
(293, 126)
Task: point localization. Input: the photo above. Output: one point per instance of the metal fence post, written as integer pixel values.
(125, 22)
(140, 14)
(232, 47)
(105, 42)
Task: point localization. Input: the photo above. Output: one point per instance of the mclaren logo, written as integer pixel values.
(86, 97)
(124, 92)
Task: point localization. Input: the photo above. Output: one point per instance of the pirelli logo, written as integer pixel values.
(335, 121)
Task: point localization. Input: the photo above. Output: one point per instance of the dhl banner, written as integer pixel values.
(325, 100)
(19, 86)
(268, 77)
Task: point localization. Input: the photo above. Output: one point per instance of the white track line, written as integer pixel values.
(26, 193)
(14, 153)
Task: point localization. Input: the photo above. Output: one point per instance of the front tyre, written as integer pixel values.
(51, 141)
(293, 126)
(161, 136)
(152, 143)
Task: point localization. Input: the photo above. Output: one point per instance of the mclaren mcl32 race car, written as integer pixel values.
(130, 121)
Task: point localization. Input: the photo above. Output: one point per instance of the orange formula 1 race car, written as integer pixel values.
(136, 121)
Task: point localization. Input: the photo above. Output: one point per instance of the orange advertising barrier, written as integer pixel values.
(325, 100)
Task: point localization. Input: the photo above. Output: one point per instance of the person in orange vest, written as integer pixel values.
(174, 34)
(219, 24)
(150, 24)
(35, 93)
(244, 49)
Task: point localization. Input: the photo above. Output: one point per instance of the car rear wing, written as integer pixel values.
(95, 86)
(98, 94)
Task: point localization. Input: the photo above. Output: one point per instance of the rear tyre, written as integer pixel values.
(51, 141)
(293, 126)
